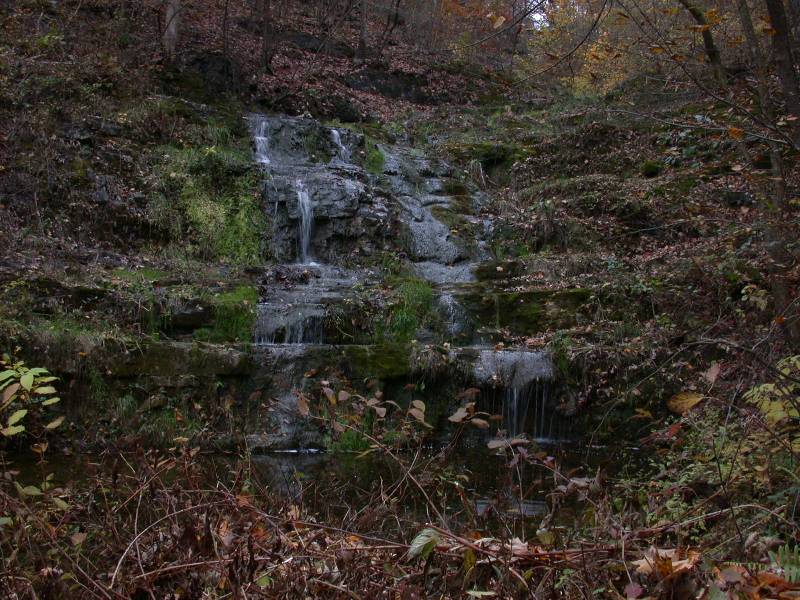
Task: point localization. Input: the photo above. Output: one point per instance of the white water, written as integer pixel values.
(260, 128)
(305, 209)
(344, 153)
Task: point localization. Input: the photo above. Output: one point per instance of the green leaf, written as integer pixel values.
(6, 521)
(7, 375)
(51, 401)
(14, 430)
(264, 581)
(55, 423)
(424, 543)
(38, 371)
(60, 503)
(28, 490)
(26, 381)
(44, 390)
(17, 416)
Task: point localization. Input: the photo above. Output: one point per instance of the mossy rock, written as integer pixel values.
(526, 313)
(234, 316)
(382, 361)
(499, 269)
(179, 359)
(453, 187)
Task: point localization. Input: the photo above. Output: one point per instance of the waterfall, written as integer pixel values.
(344, 153)
(288, 323)
(305, 211)
(526, 410)
(260, 128)
(516, 386)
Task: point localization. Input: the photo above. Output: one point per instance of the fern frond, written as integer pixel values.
(787, 558)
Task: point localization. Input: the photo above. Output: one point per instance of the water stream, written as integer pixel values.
(343, 152)
(329, 206)
(305, 208)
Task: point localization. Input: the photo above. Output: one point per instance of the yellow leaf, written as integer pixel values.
(55, 423)
(683, 402)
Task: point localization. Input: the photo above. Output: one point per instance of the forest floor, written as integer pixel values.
(684, 349)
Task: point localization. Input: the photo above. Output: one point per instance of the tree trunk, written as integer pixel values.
(267, 36)
(711, 50)
(784, 63)
(361, 53)
(225, 31)
(776, 246)
(794, 12)
(169, 36)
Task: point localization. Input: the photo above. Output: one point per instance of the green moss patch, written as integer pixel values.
(234, 316)
(209, 201)
(526, 313)
(375, 160)
(381, 361)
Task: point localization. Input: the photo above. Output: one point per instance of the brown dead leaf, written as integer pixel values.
(417, 414)
(329, 395)
(712, 373)
(459, 416)
(77, 538)
(9, 392)
(302, 405)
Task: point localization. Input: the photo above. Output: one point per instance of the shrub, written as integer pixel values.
(25, 395)
(650, 168)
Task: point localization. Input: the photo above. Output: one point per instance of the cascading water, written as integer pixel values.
(305, 211)
(344, 153)
(526, 410)
(516, 385)
(260, 128)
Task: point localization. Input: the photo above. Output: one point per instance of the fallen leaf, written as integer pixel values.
(77, 538)
(633, 590)
(683, 402)
(712, 373)
(329, 395)
(302, 405)
(459, 416)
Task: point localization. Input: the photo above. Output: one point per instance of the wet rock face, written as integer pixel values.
(358, 206)
(333, 195)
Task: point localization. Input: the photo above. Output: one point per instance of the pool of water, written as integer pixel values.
(474, 488)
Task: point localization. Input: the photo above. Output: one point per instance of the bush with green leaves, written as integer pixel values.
(25, 397)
